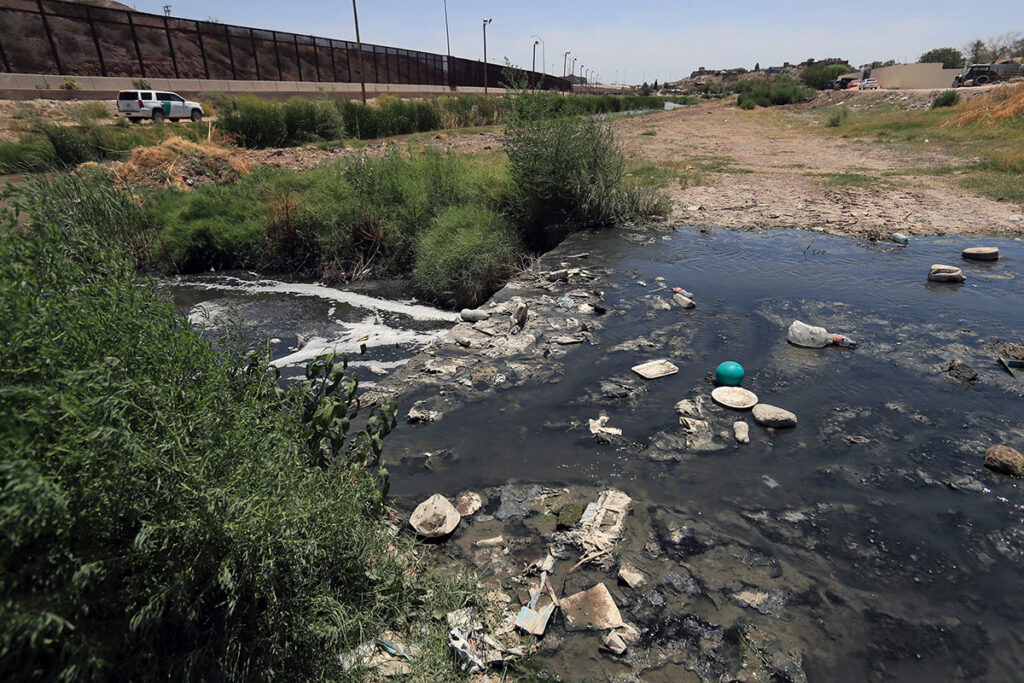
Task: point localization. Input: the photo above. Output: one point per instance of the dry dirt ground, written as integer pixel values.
(766, 169)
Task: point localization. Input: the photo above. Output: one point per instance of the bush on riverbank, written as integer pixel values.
(167, 512)
(468, 252)
(48, 146)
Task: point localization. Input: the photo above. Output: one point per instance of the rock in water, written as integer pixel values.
(435, 517)
(981, 253)
(773, 416)
(1005, 460)
(742, 431)
(632, 576)
(959, 371)
(468, 502)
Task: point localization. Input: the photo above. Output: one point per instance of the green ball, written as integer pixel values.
(729, 374)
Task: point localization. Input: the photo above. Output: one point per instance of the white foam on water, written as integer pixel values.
(209, 314)
(368, 332)
(415, 311)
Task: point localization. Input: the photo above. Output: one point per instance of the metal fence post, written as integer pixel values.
(334, 67)
(316, 59)
(277, 56)
(255, 55)
(170, 46)
(138, 51)
(202, 50)
(49, 36)
(231, 53)
(95, 40)
(298, 57)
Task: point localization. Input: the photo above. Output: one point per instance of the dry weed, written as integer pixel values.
(998, 104)
(182, 164)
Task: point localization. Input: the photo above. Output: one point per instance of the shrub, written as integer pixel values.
(817, 75)
(31, 154)
(256, 123)
(566, 171)
(468, 253)
(214, 226)
(764, 93)
(947, 98)
(309, 121)
(89, 112)
(167, 513)
(837, 116)
(71, 146)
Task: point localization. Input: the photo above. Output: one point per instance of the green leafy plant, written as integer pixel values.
(836, 117)
(946, 98)
(141, 84)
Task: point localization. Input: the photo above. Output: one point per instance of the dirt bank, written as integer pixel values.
(767, 169)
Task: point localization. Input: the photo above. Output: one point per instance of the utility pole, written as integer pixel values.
(448, 39)
(486, 21)
(565, 62)
(359, 46)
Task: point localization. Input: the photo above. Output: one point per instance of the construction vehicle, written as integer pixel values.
(980, 74)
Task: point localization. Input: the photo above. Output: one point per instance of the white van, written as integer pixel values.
(156, 105)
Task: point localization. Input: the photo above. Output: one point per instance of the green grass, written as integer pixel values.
(167, 511)
(854, 180)
(992, 152)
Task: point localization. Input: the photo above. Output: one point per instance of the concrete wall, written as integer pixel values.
(29, 86)
(915, 76)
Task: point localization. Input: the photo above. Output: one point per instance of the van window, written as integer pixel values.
(145, 96)
(127, 95)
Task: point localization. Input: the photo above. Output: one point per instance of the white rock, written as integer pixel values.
(742, 431)
(468, 502)
(435, 517)
(632, 576)
(773, 416)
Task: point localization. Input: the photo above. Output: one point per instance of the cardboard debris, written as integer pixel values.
(613, 643)
(532, 619)
(478, 648)
(602, 523)
(599, 429)
(591, 609)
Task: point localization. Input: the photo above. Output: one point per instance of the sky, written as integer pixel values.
(630, 42)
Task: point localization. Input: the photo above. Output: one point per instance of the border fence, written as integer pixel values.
(72, 39)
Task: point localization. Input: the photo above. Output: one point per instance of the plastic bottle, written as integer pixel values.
(802, 334)
(472, 315)
(900, 238)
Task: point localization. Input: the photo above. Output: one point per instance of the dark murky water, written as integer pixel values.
(897, 556)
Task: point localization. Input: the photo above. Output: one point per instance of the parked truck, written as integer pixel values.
(980, 74)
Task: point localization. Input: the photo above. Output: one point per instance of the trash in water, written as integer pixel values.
(631, 576)
(680, 290)
(768, 481)
(472, 315)
(741, 431)
(566, 302)
(729, 374)
(981, 254)
(435, 517)
(899, 238)
(614, 643)
(599, 429)
(802, 334)
(558, 275)
(682, 301)
(592, 608)
(773, 416)
(734, 397)
(532, 620)
(1009, 363)
(655, 369)
(602, 522)
(941, 273)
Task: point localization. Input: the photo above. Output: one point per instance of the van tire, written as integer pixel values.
(197, 115)
(158, 116)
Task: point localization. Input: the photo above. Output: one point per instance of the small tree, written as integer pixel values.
(975, 52)
(757, 66)
(951, 58)
(817, 75)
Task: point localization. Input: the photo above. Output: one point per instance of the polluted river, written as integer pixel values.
(867, 542)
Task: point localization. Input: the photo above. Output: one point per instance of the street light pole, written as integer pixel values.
(359, 46)
(534, 67)
(486, 21)
(448, 39)
(543, 52)
(565, 62)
